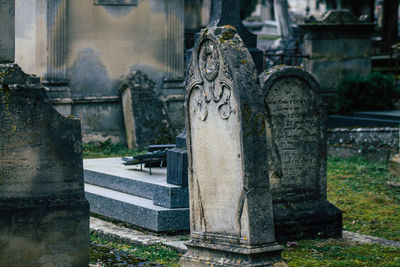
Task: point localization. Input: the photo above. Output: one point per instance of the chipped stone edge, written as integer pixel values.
(366, 239)
(111, 231)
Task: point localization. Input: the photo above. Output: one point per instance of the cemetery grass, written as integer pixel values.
(107, 149)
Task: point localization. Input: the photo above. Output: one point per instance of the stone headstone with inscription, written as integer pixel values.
(44, 216)
(297, 153)
(230, 201)
(145, 118)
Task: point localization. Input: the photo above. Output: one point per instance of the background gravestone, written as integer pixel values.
(44, 216)
(144, 114)
(297, 153)
(230, 201)
(339, 45)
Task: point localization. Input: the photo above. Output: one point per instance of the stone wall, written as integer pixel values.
(83, 48)
(376, 144)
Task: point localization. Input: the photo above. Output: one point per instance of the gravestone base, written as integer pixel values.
(307, 219)
(201, 254)
(44, 234)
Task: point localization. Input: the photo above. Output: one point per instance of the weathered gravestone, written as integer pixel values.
(44, 216)
(230, 201)
(144, 114)
(297, 153)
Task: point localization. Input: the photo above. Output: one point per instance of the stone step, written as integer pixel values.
(135, 210)
(110, 173)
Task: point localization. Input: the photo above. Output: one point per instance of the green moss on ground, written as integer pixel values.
(334, 252)
(358, 188)
(107, 150)
(125, 254)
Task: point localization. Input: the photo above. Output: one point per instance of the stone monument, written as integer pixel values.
(146, 120)
(297, 153)
(44, 216)
(337, 46)
(230, 201)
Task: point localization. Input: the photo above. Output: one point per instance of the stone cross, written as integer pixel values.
(227, 12)
(230, 199)
(7, 34)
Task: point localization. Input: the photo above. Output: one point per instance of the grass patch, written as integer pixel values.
(111, 253)
(334, 252)
(358, 188)
(106, 149)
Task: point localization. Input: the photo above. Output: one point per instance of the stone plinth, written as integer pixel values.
(230, 200)
(297, 152)
(44, 214)
(337, 46)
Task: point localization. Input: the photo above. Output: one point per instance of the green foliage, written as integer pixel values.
(107, 149)
(374, 92)
(247, 7)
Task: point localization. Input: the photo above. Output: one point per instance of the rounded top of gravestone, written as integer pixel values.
(270, 76)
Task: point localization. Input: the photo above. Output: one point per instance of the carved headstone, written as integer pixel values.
(230, 201)
(144, 114)
(44, 216)
(297, 152)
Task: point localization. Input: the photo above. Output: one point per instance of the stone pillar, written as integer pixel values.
(230, 201)
(55, 78)
(297, 153)
(173, 85)
(7, 36)
(44, 216)
(337, 46)
(282, 18)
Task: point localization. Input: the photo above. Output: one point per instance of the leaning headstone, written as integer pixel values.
(44, 216)
(230, 201)
(145, 118)
(297, 153)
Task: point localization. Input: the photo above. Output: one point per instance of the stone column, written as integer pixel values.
(7, 36)
(230, 200)
(44, 216)
(281, 9)
(173, 85)
(55, 78)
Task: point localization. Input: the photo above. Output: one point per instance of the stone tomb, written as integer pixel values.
(144, 114)
(230, 201)
(297, 152)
